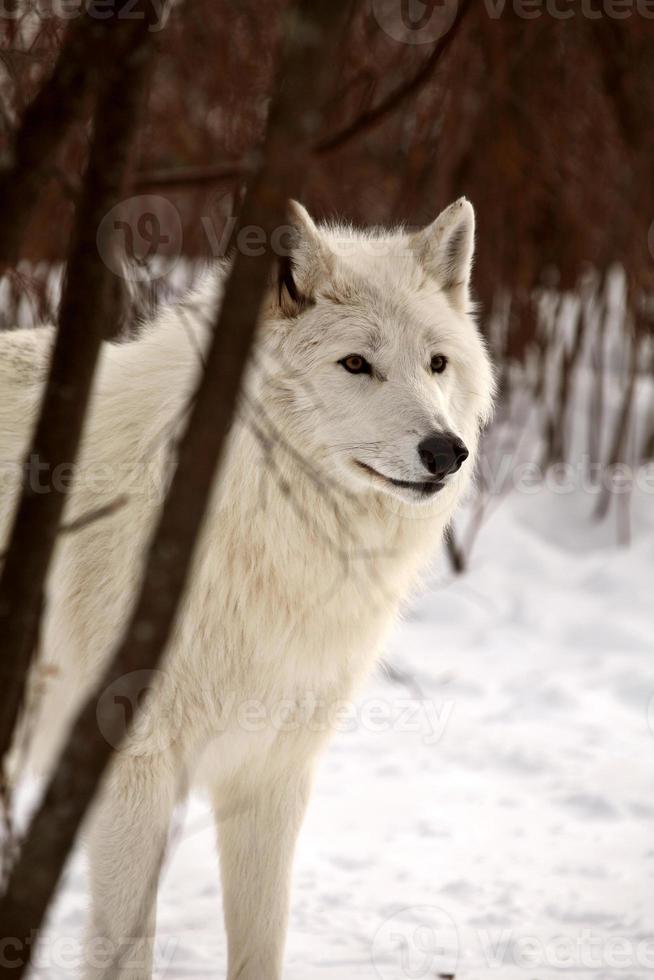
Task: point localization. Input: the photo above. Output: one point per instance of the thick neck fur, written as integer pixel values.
(305, 528)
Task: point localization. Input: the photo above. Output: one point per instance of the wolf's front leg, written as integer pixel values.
(127, 841)
(257, 835)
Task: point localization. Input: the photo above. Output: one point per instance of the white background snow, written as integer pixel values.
(519, 843)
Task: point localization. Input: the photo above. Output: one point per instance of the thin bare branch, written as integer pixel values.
(90, 517)
(372, 117)
(95, 515)
(620, 437)
(83, 323)
(193, 176)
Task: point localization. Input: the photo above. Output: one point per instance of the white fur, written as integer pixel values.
(303, 562)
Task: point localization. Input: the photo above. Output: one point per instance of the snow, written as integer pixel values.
(502, 828)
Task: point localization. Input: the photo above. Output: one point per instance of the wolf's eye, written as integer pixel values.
(438, 363)
(355, 364)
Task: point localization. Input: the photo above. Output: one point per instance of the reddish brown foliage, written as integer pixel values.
(542, 122)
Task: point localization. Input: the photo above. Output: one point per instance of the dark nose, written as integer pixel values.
(442, 454)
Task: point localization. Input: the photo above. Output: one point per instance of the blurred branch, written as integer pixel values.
(312, 30)
(367, 120)
(556, 433)
(598, 365)
(372, 117)
(85, 520)
(618, 450)
(95, 515)
(179, 176)
(83, 322)
(454, 552)
(630, 110)
(93, 48)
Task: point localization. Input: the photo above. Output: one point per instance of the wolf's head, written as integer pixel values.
(383, 372)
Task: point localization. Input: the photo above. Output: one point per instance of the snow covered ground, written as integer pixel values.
(489, 812)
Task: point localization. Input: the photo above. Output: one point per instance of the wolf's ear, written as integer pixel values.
(307, 261)
(446, 247)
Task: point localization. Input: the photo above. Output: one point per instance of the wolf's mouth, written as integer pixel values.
(425, 488)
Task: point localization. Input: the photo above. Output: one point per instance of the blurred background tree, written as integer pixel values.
(539, 114)
(543, 123)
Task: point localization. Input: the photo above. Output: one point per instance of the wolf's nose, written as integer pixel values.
(442, 454)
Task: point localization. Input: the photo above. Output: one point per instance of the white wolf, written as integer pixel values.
(355, 439)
